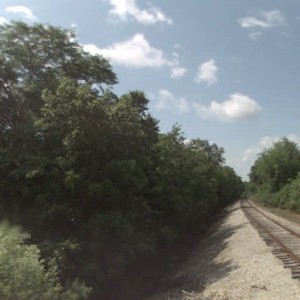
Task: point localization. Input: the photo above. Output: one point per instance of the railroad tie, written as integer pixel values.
(285, 243)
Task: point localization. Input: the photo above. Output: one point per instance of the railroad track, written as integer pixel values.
(285, 243)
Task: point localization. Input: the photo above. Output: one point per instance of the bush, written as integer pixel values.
(24, 275)
(289, 196)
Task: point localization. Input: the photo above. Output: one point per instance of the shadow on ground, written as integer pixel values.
(164, 277)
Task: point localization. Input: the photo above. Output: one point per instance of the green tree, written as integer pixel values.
(35, 58)
(277, 165)
(86, 172)
(24, 275)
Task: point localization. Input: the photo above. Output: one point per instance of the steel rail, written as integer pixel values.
(281, 249)
(274, 221)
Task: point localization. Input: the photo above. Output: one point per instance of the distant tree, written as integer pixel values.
(277, 165)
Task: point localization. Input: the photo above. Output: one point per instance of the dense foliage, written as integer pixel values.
(24, 275)
(88, 173)
(274, 175)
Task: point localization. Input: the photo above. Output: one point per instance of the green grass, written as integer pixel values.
(284, 213)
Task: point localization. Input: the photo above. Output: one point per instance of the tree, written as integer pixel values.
(41, 54)
(52, 104)
(24, 275)
(212, 151)
(34, 58)
(277, 165)
(86, 172)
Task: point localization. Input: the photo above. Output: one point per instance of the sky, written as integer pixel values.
(227, 71)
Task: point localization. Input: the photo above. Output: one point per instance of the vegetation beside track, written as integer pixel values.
(274, 176)
(287, 214)
(87, 172)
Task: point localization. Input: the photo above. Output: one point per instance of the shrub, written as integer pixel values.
(24, 275)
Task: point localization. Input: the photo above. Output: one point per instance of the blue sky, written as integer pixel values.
(226, 70)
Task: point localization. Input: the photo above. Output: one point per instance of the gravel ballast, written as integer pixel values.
(258, 274)
(233, 262)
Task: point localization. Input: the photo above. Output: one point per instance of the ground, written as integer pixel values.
(232, 262)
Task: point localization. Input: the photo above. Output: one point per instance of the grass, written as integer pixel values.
(283, 213)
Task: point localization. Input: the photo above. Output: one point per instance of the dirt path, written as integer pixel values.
(232, 263)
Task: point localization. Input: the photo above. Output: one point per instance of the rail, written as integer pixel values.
(284, 241)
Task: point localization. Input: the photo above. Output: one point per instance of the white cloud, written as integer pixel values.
(187, 141)
(175, 54)
(124, 8)
(177, 72)
(294, 137)
(269, 19)
(135, 52)
(166, 100)
(23, 11)
(250, 154)
(255, 36)
(207, 72)
(237, 107)
(265, 142)
(3, 20)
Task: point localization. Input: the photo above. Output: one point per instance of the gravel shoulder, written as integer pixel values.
(233, 262)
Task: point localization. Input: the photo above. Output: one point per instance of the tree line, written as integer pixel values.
(274, 176)
(88, 173)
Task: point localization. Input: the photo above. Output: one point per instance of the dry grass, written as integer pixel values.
(283, 213)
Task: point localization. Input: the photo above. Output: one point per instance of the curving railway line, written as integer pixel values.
(285, 242)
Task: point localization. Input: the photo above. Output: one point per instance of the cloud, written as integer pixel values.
(23, 11)
(266, 20)
(207, 72)
(177, 72)
(175, 54)
(135, 52)
(166, 100)
(265, 142)
(124, 8)
(238, 107)
(255, 36)
(269, 19)
(138, 53)
(3, 20)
